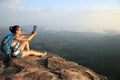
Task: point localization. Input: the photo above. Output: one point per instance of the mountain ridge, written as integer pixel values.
(50, 67)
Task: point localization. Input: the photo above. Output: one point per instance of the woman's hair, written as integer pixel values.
(14, 28)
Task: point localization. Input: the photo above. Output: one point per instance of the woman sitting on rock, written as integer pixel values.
(20, 43)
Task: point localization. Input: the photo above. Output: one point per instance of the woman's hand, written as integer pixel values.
(34, 33)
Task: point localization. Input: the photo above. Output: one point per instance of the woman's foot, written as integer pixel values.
(44, 54)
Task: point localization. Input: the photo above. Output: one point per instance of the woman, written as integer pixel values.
(20, 44)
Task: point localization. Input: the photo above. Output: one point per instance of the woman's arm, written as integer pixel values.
(21, 38)
(26, 34)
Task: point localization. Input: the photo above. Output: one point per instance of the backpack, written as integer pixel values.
(6, 44)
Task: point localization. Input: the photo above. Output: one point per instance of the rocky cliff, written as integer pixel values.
(50, 67)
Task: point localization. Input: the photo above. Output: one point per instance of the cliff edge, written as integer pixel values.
(50, 67)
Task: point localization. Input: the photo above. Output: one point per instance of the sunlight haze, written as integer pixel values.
(72, 15)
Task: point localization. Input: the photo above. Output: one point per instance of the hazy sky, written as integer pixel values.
(76, 15)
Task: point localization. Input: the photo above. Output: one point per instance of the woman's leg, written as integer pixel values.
(24, 45)
(34, 53)
(27, 46)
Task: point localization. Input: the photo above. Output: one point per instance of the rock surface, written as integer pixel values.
(50, 67)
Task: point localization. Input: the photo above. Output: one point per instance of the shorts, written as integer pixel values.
(17, 54)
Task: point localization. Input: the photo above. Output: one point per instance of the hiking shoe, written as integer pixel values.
(44, 54)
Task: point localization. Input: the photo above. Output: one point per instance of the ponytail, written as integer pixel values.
(11, 29)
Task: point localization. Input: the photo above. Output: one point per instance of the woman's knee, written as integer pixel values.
(25, 42)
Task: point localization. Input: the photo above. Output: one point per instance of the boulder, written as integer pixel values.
(50, 67)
